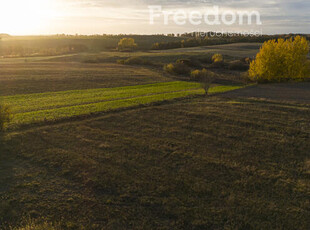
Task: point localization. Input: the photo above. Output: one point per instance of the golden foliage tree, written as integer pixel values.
(281, 60)
(127, 44)
(217, 58)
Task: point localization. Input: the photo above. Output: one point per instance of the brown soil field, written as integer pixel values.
(292, 92)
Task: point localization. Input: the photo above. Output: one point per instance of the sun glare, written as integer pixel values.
(24, 17)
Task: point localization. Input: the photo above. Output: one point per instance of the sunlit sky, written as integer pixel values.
(26, 17)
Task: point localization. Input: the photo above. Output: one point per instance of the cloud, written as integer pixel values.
(278, 16)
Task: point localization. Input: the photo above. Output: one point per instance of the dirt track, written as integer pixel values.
(293, 92)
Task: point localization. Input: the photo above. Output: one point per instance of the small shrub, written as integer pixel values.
(134, 61)
(281, 60)
(246, 78)
(217, 58)
(169, 68)
(137, 61)
(177, 69)
(5, 116)
(121, 61)
(189, 62)
(238, 65)
(206, 59)
(184, 61)
(218, 65)
(247, 60)
(197, 74)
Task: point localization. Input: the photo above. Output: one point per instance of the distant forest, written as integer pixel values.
(25, 46)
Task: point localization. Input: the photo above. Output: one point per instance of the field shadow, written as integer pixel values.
(7, 162)
(282, 92)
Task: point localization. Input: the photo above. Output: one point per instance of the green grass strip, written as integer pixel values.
(65, 112)
(45, 101)
(32, 108)
(224, 88)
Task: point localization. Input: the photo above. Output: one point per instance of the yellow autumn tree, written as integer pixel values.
(217, 58)
(127, 44)
(281, 60)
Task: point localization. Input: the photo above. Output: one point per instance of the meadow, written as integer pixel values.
(52, 88)
(35, 108)
(98, 145)
(196, 164)
(39, 77)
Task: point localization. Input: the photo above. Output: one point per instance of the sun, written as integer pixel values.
(20, 17)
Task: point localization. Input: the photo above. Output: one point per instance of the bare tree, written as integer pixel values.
(205, 77)
(206, 82)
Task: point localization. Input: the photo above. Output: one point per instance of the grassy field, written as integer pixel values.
(237, 50)
(231, 52)
(51, 88)
(195, 164)
(31, 108)
(136, 148)
(34, 108)
(70, 72)
(40, 77)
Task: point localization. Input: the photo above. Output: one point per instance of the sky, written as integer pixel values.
(34, 17)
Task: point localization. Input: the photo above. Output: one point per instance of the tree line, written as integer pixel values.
(207, 40)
